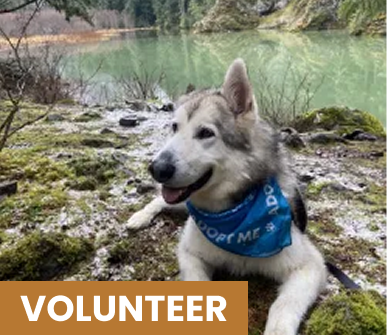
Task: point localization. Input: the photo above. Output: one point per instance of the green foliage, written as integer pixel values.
(41, 256)
(198, 8)
(142, 11)
(357, 14)
(355, 313)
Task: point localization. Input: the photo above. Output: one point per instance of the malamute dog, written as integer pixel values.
(246, 213)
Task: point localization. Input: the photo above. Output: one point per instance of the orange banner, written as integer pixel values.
(129, 307)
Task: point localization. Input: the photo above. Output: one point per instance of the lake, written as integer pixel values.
(340, 69)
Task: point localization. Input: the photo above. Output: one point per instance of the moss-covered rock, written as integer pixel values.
(350, 313)
(227, 15)
(341, 119)
(40, 193)
(40, 256)
(378, 25)
(92, 170)
(88, 116)
(303, 15)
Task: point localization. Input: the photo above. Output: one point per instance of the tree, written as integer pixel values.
(69, 7)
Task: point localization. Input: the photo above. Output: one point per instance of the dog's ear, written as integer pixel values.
(237, 89)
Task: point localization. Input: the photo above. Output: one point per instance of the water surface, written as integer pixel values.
(345, 70)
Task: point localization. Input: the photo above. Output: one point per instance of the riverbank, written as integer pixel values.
(72, 38)
(80, 176)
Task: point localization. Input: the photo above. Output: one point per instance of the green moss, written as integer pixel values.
(83, 183)
(40, 193)
(93, 170)
(341, 119)
(315, 189)
(40, 256)
(150, 260)
(350, 313)
(26, 165)
(88, 116)
(3, 237)
(32, 204)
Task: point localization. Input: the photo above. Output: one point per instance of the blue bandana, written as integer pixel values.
(260, 226)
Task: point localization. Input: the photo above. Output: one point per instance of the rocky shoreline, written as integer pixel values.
(292, 15)
(81, 173)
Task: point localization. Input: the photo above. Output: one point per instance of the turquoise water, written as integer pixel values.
(342, 69)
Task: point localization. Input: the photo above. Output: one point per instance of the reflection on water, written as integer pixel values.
(353, 68)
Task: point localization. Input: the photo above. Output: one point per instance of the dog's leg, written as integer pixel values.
(297, 293)
(144, 217)
(193, 268)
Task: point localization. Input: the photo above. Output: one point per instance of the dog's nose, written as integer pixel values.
(161, 170)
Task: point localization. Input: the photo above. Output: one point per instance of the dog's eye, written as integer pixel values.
(174, 127)
(205, 133)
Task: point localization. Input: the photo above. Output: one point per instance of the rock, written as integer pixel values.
(290, 137)
(303, 15)
(169, 107)
(54, 118)
(377, 26)
(106, 131)
(8, 188)
(111, 108)
(229, 15)
(138, 105)
(96, 143)
(145, 188)
(120, 157)
(87, 116)
(128, 122)
(350, 312)
(40, 256)
(341, 120)
(325, 138)
(306, 178)
(359, 135)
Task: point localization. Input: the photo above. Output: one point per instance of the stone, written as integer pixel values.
(306, 178)
(106, 131)
(54, 118)
(96, 143)
(291, 138)
(144, 187)
(341, 120)
(128, 122)
(325, 138)
(168, 107)
(138, 105)
(87, 116)
(360, 135)
(8, 188)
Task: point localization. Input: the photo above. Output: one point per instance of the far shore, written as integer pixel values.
(72, 38)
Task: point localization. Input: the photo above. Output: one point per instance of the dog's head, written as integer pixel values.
(217, 147)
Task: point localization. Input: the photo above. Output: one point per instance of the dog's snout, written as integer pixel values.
(162, 169)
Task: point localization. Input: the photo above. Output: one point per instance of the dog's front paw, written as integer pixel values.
(139, 220)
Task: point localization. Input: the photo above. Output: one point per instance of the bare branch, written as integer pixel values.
(16, 8)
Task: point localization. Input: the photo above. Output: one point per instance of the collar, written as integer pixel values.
(259, 226)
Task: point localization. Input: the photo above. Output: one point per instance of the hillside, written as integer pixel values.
(357, 16)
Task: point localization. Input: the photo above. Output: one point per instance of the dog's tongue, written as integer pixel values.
(172, 195)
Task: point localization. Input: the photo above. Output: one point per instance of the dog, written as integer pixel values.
(228, 164)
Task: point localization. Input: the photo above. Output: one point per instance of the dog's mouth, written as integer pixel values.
(177, 195)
